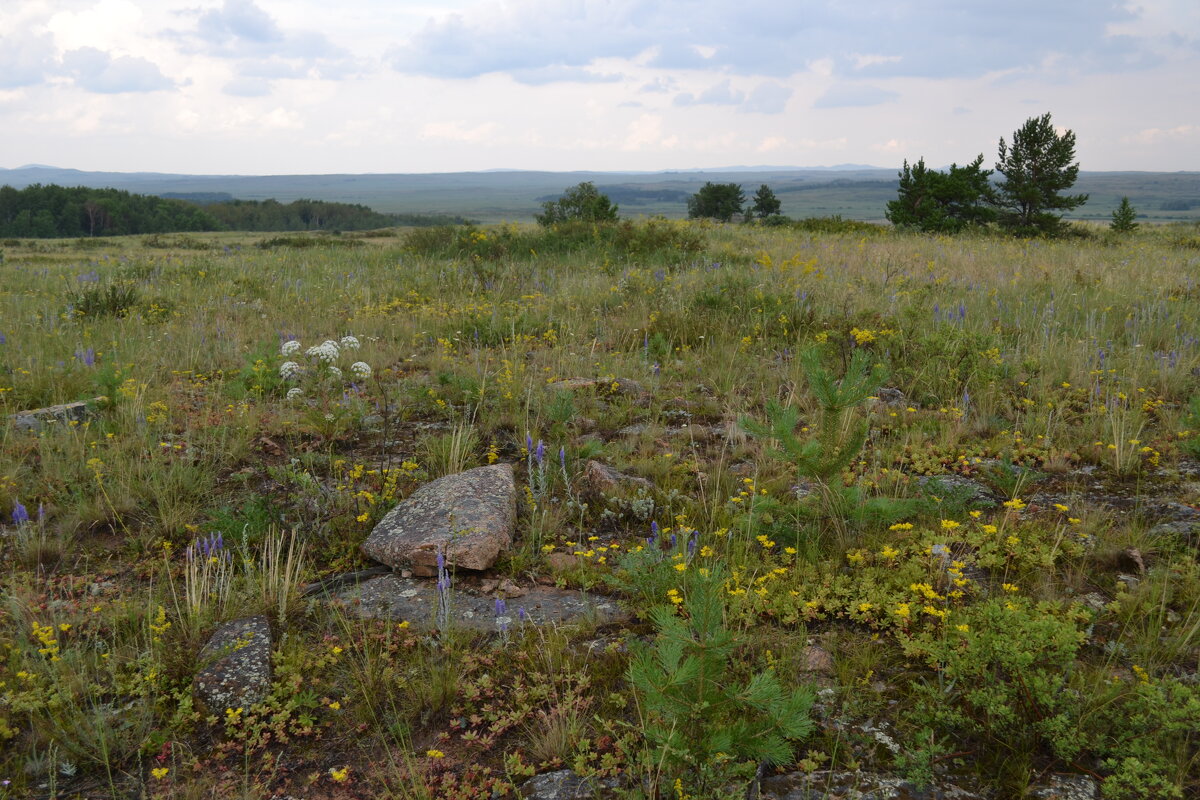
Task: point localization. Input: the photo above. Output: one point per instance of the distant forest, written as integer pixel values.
(51, 211)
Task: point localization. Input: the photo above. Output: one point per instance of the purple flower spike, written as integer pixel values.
(528, 443)
(562, 457)
(500, 606)
(19, 514)
(654, 528)
(521, 615)
(540, 454)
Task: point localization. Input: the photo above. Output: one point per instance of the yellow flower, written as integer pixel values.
(158, 773)
(990, 529)
(363, 517)
(335, 705)
(339, 775)
(1016, 504)
(949, 524)
(976, 514)
(865, 607)
(435, 754)
(903, 610)
(962, 628)
(889, 552)
(901, 526)
(681, 567)
(706, 551)
(1010, 587)
(1061, 507)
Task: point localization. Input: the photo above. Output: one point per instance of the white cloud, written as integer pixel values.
(457, 131)
(844, 95)
(1159, 135)
(96, 71)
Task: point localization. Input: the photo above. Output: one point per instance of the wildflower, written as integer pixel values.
(865, 607)
(435, 754)
(706, 551)
(335, 372)
(901, 526)
(361, 369)
(889, 552)
(294, 393)
(903, 610)
(290, 370)
(962, 628)
(1010, 587)
(681, 567)
(856, 557)
(19, 514)
(290, 347)
(949, 524)
(326, 351)
(976, 514)
(674, 596)
(1016, 504)
(158, 773)
(1061, 507)
(335, 705)
(349, 343)
(990, 529)
(339, 775)
(232, 715)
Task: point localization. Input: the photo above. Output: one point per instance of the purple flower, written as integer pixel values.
(19, 514)
(521, 615)
(2, 338)
(500, 606)
(540, 455)
(528, 443)
(562, 457)
(654, 528)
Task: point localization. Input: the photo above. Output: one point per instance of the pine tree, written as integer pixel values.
(1123, 217)
(766, 204)
(1036, 168)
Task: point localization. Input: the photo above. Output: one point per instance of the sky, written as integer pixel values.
(357, 86)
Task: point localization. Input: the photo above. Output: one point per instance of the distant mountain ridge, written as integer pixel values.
(853, 191)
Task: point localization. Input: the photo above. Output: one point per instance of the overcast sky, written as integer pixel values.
(319, 86)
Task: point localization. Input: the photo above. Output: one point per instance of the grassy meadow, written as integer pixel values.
(801, 388)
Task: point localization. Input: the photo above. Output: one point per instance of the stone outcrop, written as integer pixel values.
(469, 517)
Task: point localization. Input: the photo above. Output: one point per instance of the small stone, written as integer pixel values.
(236, 665)
(488, 586)
(817, 660)
(510, 589)
(602, 479)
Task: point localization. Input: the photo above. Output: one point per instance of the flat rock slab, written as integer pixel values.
(469, 516)
(825, 784)
(36, 418)
(235, 665)
(566, 785)
(415, 600)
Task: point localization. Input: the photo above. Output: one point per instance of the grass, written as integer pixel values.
(1059, 375)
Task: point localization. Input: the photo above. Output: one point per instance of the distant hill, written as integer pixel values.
(853, 191)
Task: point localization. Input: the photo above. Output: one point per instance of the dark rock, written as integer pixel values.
(566, 785)
(393, 597)
(469, 517)
(66, 413)
(817, 660)
(892, 398)
(235, 665)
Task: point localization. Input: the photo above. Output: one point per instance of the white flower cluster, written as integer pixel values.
(295, 392)
(350, 343)
(361, 369)
(289, 348)
(326, 351)
(290, 370)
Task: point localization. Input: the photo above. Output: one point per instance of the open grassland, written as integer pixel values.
(1023, 613)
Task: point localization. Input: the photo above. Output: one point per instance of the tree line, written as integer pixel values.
(52, 211)
(1036, 170)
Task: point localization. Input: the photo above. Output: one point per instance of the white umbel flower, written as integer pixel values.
(335, 372)
(350, 343)
(295, 392)
(290, 347)
(289, 370)
(361, 369)
(326, 351)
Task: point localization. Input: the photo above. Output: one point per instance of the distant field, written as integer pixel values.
(515, 196)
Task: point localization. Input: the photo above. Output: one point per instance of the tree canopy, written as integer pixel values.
(943, 202)
(1037, 167)
(718, 201)
(766, 204)
(582, 202)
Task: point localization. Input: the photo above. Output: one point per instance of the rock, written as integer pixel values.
(600, 479)
(1188, 531)
(415, 600)
(972, 490)
(637, 429)
(35, 419)
(892, 398)
(1065, 787)
(622, 386)
(468, 516)
(566, 785)
(561, 562)
(825, 784)
(817, 660)
(235, 665)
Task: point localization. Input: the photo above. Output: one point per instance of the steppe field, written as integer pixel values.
(826, 509)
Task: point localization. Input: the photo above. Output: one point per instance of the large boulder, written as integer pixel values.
(36, 418)
(235, 669)
(469, 517)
